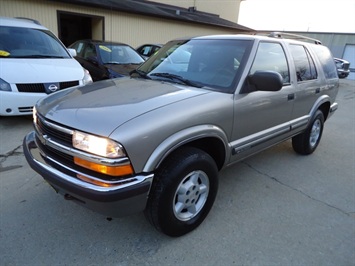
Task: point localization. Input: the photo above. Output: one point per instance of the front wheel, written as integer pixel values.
(183, 191)
(307, 142)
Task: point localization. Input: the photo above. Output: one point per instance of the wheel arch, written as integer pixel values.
(322, 104)
(325, 107)
(209, 138)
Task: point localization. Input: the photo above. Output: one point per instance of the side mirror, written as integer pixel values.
(265, 81)
(72, 52)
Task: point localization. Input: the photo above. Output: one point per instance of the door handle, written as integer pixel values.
(291, 97)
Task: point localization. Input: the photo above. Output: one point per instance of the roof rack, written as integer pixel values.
(284, 35)
(30, 19)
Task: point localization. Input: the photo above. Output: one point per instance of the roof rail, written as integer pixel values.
(30, 19)
(284, 35)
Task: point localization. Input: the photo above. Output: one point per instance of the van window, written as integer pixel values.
(18, 42)
(304, 64)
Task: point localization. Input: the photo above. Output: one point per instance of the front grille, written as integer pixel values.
(68, 84)
(346, 66)
(46, 129)
(34, 87)
(55, 153)
(40, 88)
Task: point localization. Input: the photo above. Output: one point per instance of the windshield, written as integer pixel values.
(119, 54)
(214, 64)
(18, 42)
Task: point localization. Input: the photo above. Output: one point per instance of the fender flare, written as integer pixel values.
(181, 138)
(320, 101)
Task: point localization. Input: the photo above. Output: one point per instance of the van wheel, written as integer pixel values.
(183, 192)
(307, 142)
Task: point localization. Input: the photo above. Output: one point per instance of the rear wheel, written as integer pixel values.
(307, 142)
(183, 191)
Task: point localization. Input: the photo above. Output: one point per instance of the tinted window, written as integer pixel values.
(304, 64)
(89, 51)
(271, 57)
(326, 59)
(79, 48)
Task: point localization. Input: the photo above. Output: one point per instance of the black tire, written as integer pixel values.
(307, 142)
(183, 192)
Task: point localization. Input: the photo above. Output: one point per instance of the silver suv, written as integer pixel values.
(156, 141)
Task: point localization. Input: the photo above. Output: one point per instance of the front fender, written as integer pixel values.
(184, 137)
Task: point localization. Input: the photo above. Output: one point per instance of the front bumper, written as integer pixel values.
(127, 197)
(343, 73)
(18, 103)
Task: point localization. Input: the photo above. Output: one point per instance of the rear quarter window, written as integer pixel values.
(326, 59)
(304, 64)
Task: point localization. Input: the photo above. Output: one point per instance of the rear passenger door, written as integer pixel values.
(262, 117)
(308, 81)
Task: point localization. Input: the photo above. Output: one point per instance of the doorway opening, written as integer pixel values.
(73, 27)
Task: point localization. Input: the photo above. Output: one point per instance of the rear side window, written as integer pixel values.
(304, 64)
(271, 57)
(326, 59)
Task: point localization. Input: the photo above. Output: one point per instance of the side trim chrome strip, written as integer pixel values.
(299, 122)
(253, 140)
(56, 127)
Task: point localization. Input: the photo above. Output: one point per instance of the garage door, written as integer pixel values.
(349, 55)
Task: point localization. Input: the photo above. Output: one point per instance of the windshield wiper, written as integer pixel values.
(115, 63)
(177, 77)
(37, 56)
(140, 73)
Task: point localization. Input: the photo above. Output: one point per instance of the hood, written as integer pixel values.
(103, 106)
(40, 70)
(122, 69)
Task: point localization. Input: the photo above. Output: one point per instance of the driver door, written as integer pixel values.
(261, 118)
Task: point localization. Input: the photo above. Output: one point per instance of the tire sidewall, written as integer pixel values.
(317, 117)
(169, 223)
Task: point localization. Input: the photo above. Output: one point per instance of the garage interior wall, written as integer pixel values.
(118, 26)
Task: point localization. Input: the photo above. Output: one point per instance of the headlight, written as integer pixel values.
(103, 147)
(97, 145)
(4, 86)
(87, 77)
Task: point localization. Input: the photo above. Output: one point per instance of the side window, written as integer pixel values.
(271, 57)
(304, 64)
(89, 50)
(78, 46)
(326, 59)
(146, 50)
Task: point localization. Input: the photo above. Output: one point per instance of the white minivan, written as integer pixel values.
(33, 64)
